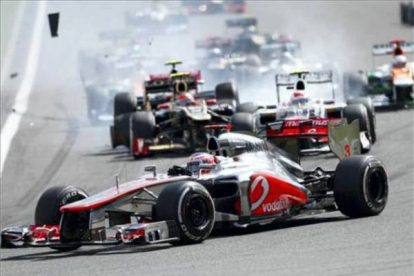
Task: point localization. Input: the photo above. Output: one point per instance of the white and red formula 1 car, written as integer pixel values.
(242, 181)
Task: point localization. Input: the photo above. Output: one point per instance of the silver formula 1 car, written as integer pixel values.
(242, 181)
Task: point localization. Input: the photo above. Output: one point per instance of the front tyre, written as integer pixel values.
(48, 207)
(120, 131)
(248, 107)
(143, 127)
(190, 205)
(361, 186)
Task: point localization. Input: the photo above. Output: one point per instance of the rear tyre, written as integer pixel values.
(190, 205)
(143, 127)
(227, 93)
(247, 107)
(360, 186)
(48, 207)
(243, 122)
(367, 102)
(358, 111)
(124, 103)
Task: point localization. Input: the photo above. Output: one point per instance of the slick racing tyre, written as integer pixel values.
(360, 186)
(367, 102)
(227, 93)
(190, 205)
(248, 107)
(358, 111)
(48, 207)
(120, 134)
(143, 127)
(243, 122)
(124, 103)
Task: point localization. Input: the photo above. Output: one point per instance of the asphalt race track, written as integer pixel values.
(56, 145)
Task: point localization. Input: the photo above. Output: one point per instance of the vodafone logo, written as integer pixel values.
(265, 203)
(265, 185)
(277, 205)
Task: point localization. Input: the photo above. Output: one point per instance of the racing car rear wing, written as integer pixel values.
(244, 22)
(314, 77)
(289, 46)
(343, 139)
(158, 86)
(159, 83)
(390, 48)
(213, 42)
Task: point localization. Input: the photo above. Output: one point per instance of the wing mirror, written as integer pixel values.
(152, 169)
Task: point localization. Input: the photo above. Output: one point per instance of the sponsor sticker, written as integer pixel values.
(276, 206)
(347, 150)
(265, 186)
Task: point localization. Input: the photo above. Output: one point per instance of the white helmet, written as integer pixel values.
(399, 61)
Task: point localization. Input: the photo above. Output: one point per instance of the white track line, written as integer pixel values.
(11, 46)
(11, 125)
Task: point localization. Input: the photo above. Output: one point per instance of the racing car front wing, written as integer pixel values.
(49, 235)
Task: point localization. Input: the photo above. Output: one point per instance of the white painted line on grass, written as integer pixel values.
(12, 122)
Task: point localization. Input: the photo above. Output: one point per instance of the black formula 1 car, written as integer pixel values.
(172, 114)
(245, 181)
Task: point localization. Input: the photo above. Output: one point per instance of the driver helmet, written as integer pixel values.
(185, 99)
(299, 99)
(198, 158)
(252, 29)
(399, 61)
(215, 53)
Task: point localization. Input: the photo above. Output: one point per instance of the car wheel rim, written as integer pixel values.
(376, 187)
(198, 214)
